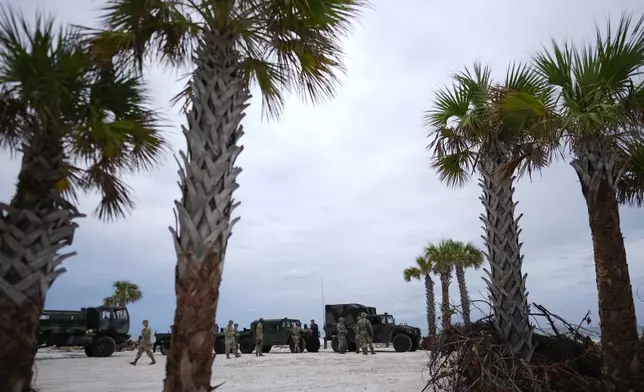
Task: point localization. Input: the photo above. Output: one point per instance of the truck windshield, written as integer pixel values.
(121, 314)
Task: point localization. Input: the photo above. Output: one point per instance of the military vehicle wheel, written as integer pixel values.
(402, 343)
(164, 347)
(334, 344)
(88, 351)
(103, 346)
(266, 349)
(220, 346)
(313, 345)
(414, 344)
(291, 345)
(246, 346)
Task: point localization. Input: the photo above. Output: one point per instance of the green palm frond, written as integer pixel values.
(100, 115)
(630, 189)
(284, 46)
(411, 273)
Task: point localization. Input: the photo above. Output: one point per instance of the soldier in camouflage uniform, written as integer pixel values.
(145, 341)
(356, 333)
(366, 334)
(259, 338)
(342, 336)
(229, 339)
(295, 336)
(236, 329)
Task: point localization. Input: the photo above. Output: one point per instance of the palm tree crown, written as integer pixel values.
(125, 293)
(52, 89)
(283, 46)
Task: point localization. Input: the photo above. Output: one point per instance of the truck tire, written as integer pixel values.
(415, 342)
(334, 344)
(220, 346)
(266, 349)
(164, 347)
(402, 343)
(246, 346)
(103, 346)
(88, 351)
(313, 345)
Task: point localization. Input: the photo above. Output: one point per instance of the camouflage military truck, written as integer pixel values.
(99, 329)
(385, 330)
(277, 332)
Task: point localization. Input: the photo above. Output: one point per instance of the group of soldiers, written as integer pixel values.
(363, 332)
(231, 337)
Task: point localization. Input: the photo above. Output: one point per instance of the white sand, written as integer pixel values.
(387, 371)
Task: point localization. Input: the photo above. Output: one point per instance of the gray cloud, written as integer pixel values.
(344, 190)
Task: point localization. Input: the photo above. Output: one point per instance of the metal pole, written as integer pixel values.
(323, 311)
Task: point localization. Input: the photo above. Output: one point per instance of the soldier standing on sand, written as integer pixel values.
(144, 344)
(236, 329)
(342, 336)
(366, 334)
(295, 337)
(259, 338)
(229, 339)
(356, 333)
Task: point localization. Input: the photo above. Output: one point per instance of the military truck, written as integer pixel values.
(98, 329)
(277, 332)
(385, 330)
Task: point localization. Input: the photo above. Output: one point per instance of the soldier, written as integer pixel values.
(295, 336)
(356, 333)
(342, 336)
(236, 329)
(259, 338)
(144, 344)
(366, 334)
(314, 329)
(229, 339)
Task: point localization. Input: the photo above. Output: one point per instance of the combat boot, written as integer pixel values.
(227, 356)
(133, 363)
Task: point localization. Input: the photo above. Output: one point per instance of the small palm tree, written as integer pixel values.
(442, 256)
(473, 131)
(469, 256)
(80, 126)
(125, 293)
(423, 271)
(278, 46)
(600, 98)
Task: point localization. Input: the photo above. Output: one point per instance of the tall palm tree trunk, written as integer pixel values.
(505, 281)
(622, 365)
(33, 228)
(445, 309)
(208, 179)
(431, 305)
(462, 288)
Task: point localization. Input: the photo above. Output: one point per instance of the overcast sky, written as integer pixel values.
(344, 190)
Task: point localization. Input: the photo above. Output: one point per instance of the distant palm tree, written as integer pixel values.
(80, 125)
(125, 293)
(423, 271)
(442, 257)
(469, 256)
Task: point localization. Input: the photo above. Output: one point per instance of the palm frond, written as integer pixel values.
(630, 189)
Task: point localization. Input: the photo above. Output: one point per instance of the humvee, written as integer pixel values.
(385, 330)
(99, 329)
(277, 332)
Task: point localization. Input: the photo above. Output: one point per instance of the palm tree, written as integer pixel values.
(600, 96)
(125, 293)
(468, 256)
(442, 256)
(473, 131)
(423, 270)
(278, 46)
(79, 127)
